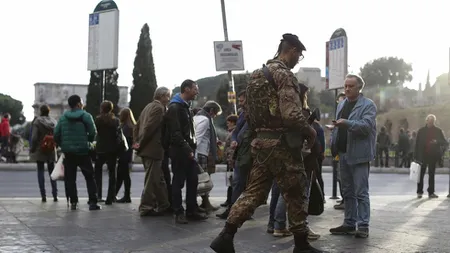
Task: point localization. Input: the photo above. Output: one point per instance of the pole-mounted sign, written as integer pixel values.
(336, 60)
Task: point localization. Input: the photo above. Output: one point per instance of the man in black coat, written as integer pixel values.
(430, 146)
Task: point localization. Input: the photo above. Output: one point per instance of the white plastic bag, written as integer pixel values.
(58, 171)
(414, 172)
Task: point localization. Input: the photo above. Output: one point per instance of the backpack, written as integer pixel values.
(261, 99)
(48, 143)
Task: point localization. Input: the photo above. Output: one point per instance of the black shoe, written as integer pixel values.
(94, 207)
(343, 230)
(181, 219)
(362, 233)
(55, 199)
(98, 201)
(108, 202)
(201, 210)
(196, 216)
(302, 245)
(225, 204)
(44, 199)
(73, 206)
(223, 215)
(340, 206)
(433, 196)
(224, 241)
(270, 229)
(126, 199)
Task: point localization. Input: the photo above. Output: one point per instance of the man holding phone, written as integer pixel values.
(353, 138)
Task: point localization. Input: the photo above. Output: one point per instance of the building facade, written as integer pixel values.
(55, 95)
(311, 77)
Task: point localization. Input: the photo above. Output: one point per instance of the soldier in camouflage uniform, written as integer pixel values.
(275, 114)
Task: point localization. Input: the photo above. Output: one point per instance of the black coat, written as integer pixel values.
(436, 150)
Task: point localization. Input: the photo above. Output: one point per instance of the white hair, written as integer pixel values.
(431, 116)
(359, 80)
(160, 92)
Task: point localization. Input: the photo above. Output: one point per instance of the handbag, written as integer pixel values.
(205, 183)
(122, 144)
(414, 172)
(58, 171)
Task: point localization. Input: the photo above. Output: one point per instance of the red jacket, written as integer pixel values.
(5, 129)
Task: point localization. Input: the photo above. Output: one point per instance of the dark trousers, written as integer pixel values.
(41, 178)
(167, 177)
(111, 160)
(429, 162)
(384, 151)
(123, 173)
(184, 170)
(71, 163)
(404, 158)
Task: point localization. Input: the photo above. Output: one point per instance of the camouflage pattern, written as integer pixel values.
(270, 115)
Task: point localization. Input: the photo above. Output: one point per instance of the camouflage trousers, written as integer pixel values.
(269, 164)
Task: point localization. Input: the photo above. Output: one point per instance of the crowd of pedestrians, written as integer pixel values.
(275, 143)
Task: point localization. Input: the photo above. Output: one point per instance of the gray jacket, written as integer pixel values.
(42, 126)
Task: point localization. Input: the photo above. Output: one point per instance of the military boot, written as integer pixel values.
(302, 245)
(224, 241)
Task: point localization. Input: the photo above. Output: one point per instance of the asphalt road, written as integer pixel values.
(24, 184)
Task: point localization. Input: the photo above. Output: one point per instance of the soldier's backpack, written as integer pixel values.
(261, 98)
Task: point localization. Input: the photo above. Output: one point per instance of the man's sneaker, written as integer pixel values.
(94, 207)
(433, 196)
(270, 229)
(196, 216)
(312, 236)
(343, 230)
(362, 233)
(281, 232)
(419, 195)
(340, 206)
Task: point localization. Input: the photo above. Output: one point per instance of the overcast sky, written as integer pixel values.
(46, 41)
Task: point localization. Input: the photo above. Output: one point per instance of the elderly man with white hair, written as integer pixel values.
(148, 137)
(354, 137)
(430, 146)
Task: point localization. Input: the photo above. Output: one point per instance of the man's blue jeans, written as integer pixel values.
(240, 177)
(355, 187)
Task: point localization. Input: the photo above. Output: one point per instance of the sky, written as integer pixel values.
(47, 40)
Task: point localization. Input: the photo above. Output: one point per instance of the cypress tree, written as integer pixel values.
(144, 79)
(111, 88)
(93, 97)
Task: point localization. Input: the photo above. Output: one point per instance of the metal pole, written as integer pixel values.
(225, 33)
(102, 84)
(334, 163)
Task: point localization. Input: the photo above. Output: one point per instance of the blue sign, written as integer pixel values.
(337, 44)
(94, 19)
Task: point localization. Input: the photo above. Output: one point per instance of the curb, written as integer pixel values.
(220, 168)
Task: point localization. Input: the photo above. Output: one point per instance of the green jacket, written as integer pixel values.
(75, 132)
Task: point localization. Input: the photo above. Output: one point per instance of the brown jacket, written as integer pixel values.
(148, 131)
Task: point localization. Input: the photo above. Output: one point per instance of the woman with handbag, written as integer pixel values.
(127, 123)
(42, 149)
(108, 131)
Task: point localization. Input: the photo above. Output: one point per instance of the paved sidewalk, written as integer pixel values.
(219, 168)
(399, 224)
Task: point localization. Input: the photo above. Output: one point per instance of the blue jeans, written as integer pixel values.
(240, 177)
(355, 187)
(41, 178)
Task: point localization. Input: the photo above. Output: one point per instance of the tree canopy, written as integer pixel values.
(386, 71)
(144, 78)
(13, 107)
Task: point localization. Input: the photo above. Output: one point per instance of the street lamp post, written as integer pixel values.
(225, 32)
